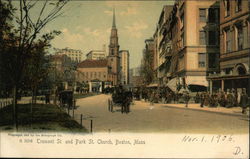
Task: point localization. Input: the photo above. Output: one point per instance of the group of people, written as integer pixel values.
(228, 99)
(158, 95)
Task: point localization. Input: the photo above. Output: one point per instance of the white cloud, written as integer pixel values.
(135, 30)
(94, 32)
(69, 39)
(108, 12)
(129, 11)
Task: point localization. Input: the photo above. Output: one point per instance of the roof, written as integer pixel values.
(93, 63)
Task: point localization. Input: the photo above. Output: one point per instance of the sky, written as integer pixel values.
(86, 25)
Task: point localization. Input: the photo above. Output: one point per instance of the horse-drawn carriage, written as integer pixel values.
(121, 99)
(66, 99)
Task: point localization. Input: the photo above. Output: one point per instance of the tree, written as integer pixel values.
(23, 40)
(147, 72)
(6, 40)
(37, 70)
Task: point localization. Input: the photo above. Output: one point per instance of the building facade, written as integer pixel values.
(124, 66)
(162, 45)
(74, 55)
(135, 78)
(97, 54)
(93, 72)
(113, 57)
(234, 47)
(187, 42)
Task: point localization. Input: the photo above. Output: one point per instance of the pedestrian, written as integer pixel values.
(47, 98)
(197, 97)
(186, 98)
(244, 101)
(152, 98)
(202, 99)
(229, 99)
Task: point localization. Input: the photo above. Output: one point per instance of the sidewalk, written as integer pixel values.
(236, 111)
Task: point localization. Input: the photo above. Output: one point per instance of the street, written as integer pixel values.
(156, 118)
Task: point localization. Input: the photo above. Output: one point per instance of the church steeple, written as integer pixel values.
(113, 57)
(113, 26)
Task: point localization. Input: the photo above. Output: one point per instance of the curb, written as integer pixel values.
(222, 113)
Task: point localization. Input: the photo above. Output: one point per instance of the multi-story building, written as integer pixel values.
(97, 54)
(162, 45)
(135, 78)
(234, 47)
(74, 55)
(124, 66)
(194, 34)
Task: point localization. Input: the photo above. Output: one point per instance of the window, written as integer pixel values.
(238, 5)
(213, 15)
(202, 37)
(228, 41)
(227, 7)
(212, 40)
(239, 37)
(87, 74)
(213, 60)
(202, 13)
(201, 60)
(182, 40)
(91, 74)
(182, 20)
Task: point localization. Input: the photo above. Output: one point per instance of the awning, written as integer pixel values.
(196, 80)
(172, 84)
(153, 85)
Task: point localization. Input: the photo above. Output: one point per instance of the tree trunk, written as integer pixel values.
(15, 107)
(32, 97)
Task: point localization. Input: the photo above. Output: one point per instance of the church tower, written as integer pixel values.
(113, 57)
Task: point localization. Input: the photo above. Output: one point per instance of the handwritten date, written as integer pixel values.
(207, 139)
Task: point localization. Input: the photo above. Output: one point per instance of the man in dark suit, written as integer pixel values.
(244, 101)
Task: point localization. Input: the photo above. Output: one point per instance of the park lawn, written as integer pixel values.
(45, 117)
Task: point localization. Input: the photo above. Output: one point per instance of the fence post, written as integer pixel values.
(91, 126)
(81, 119)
